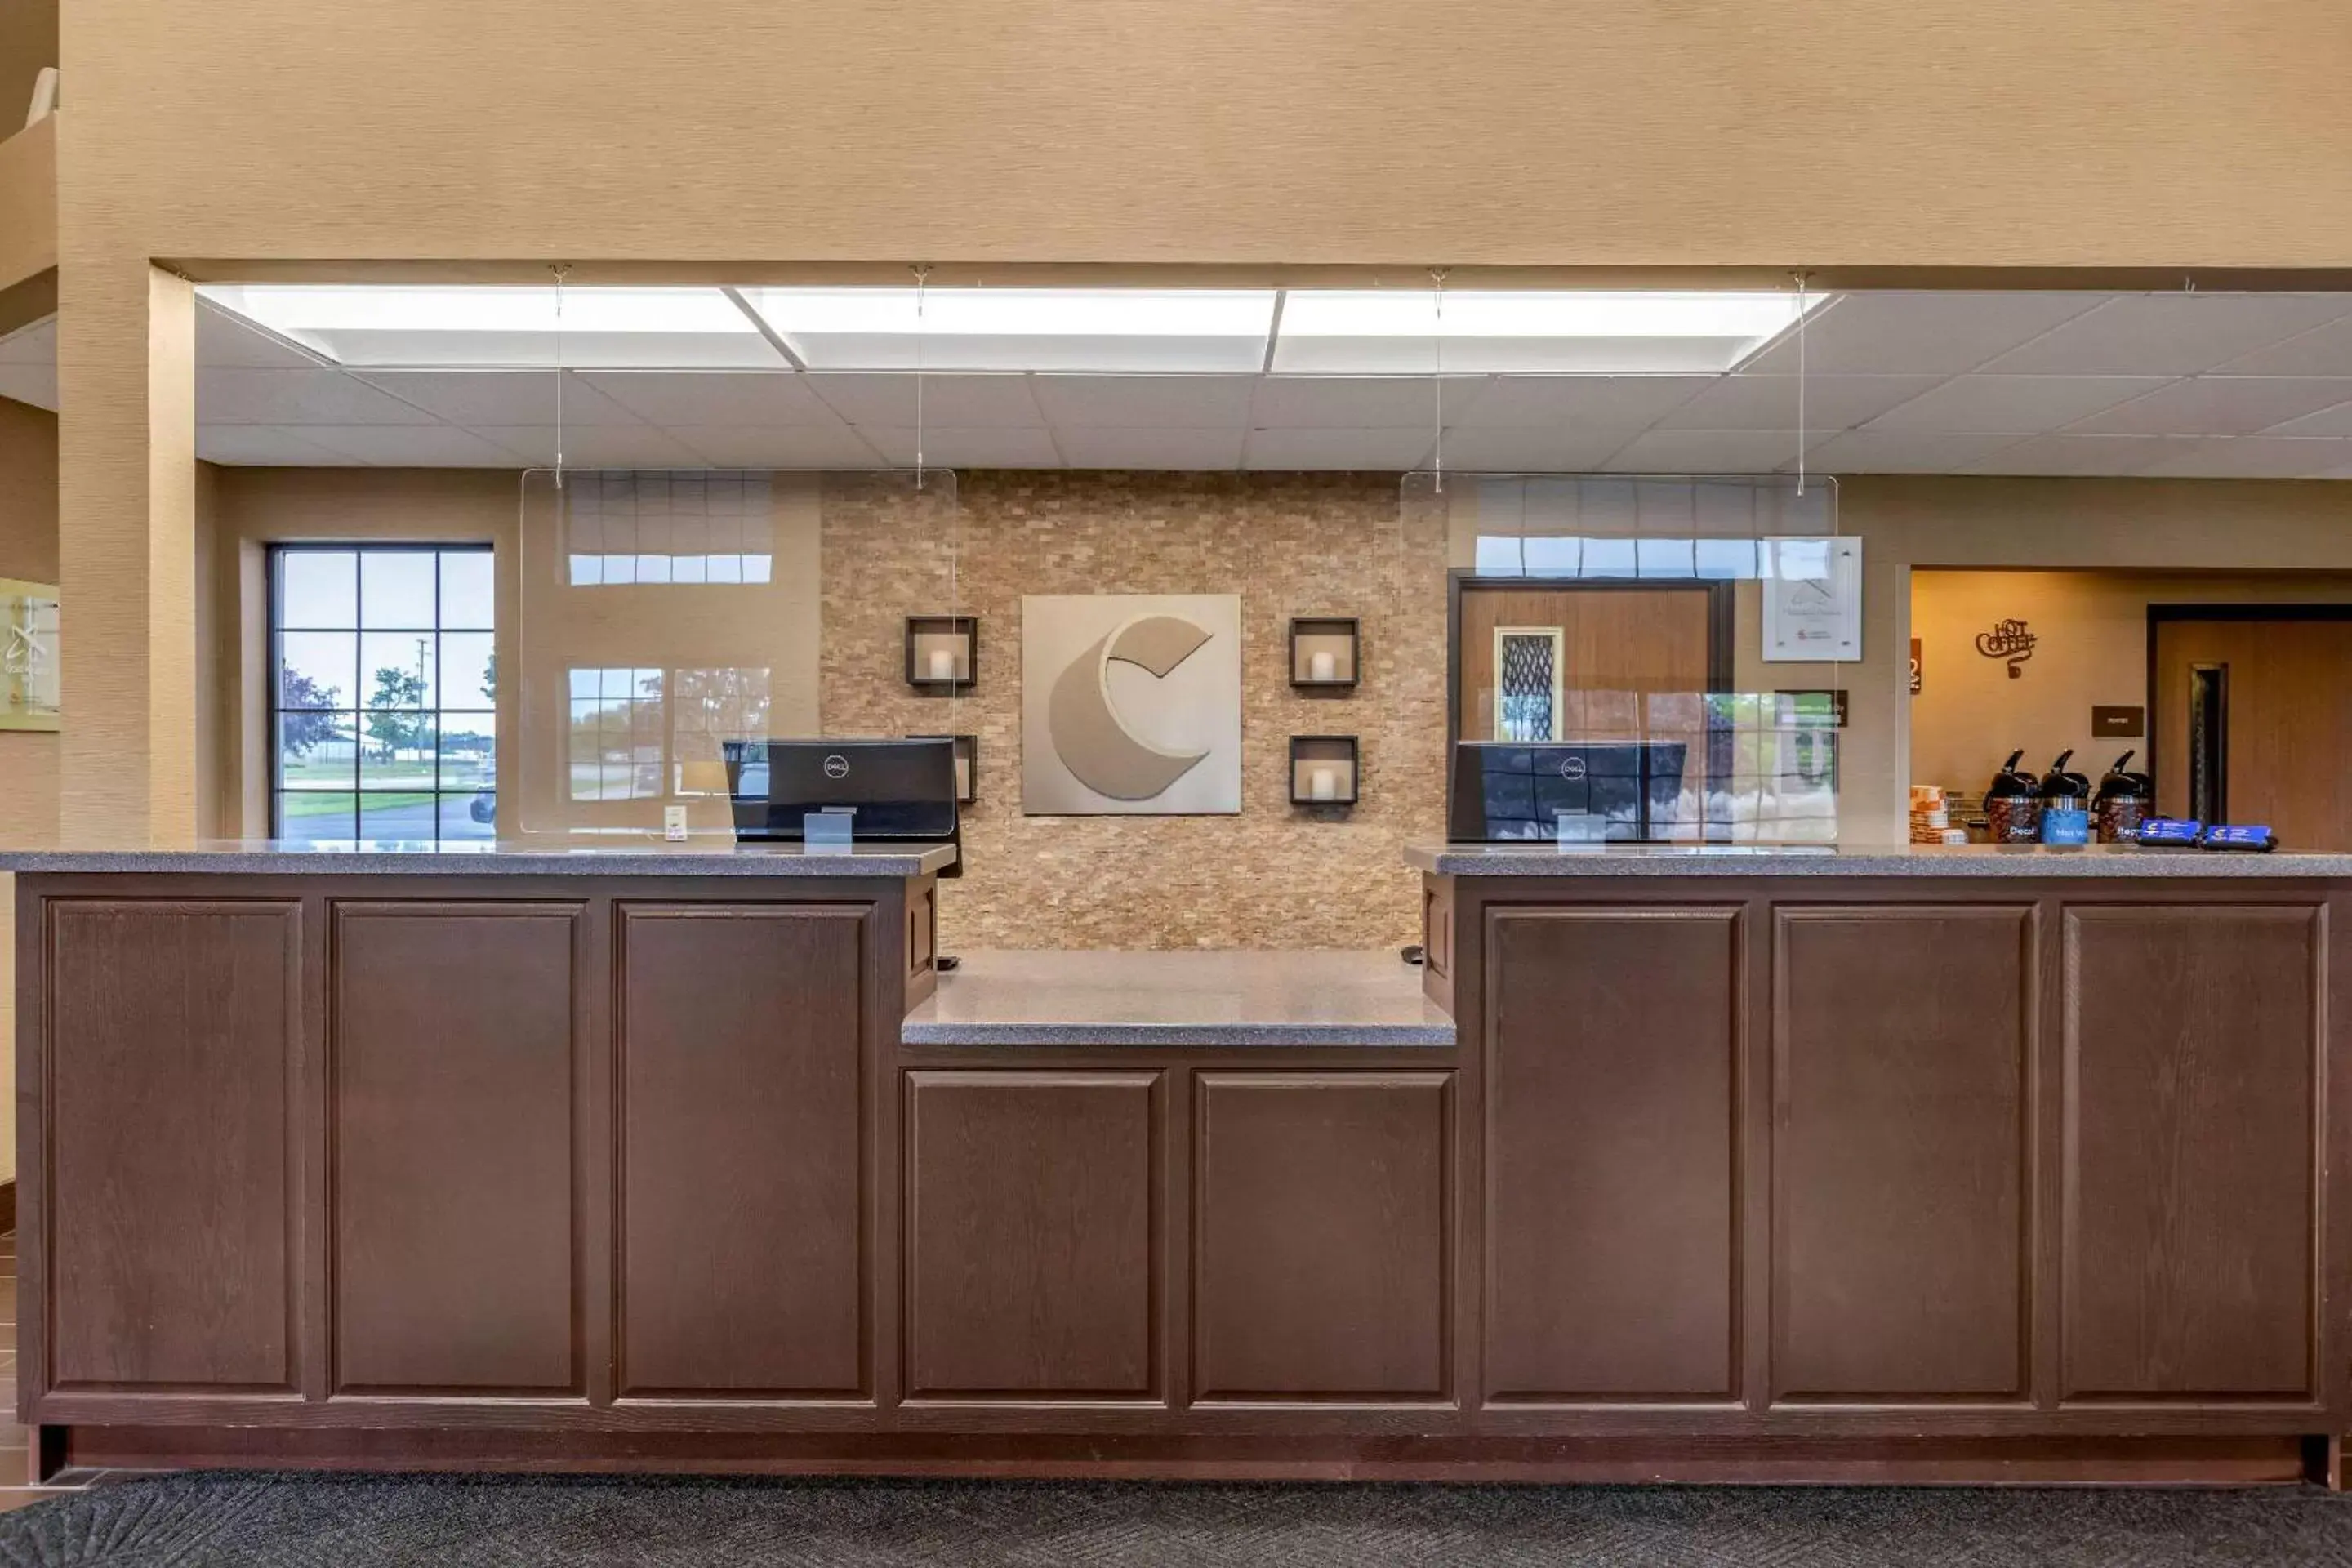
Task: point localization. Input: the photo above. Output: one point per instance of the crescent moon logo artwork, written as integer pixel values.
(1093, 741)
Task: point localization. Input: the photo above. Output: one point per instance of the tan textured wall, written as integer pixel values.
(2093, 626)
(1756, 132)
(29, 40)
(1276, 875)
(28, 758)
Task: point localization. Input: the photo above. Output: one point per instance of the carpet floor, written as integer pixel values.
(350, 1521)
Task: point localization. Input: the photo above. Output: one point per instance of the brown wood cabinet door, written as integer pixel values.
(743, 1248)
(1611, 1043)
(170, 1070)
(1322, 1237)
(2190, 1163)
(1901, 1071)
(2286, 700)
(1032, 1235)
(455, 1046)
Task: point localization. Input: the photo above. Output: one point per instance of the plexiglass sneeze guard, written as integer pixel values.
(1609, 663)
(665, 613)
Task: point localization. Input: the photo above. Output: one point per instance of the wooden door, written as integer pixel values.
(1616, 644)
(2285, 691)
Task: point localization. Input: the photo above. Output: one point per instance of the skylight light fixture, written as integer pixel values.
(1393, 332)
(487, 327)
(1134, 331)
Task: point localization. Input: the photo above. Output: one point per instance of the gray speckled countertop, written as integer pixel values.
(555, 855)
(1181, 998)
(1889, 860)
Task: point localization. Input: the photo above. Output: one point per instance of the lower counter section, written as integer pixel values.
(1725, 1179)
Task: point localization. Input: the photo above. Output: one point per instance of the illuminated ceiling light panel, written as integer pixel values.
(467, 328)
(1348, 332)
(1135, 330)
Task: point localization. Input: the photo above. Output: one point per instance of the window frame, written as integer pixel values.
(274, 707)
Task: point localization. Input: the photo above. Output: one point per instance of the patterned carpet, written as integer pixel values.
(195, 1521)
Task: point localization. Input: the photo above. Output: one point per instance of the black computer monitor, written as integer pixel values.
(1507, 790)
(893, 791)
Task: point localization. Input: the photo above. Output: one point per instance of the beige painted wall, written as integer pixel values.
(28, 759)
(29, 40)
(2093, 626)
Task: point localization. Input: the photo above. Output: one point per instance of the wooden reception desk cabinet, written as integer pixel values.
(1952, 1165)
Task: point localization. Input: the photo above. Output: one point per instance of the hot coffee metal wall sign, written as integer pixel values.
(2010, 640)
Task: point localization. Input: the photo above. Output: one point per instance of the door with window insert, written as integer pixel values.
(2253, 717)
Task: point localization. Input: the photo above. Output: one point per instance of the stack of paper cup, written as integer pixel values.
(1931, 818)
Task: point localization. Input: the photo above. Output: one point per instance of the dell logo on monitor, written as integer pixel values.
(837, 766)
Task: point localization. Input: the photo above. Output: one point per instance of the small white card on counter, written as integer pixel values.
(674, 824)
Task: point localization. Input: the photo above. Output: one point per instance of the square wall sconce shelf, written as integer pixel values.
(1326, 652)
(1323, 769)
(967, 764)
(942, 653)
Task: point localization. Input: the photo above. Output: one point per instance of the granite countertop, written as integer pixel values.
(1180, 998)
(1868, 860)
(555, 854)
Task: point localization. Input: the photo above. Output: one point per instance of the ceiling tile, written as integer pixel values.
(35, 344)
(729, 398)
(2167, 334)
(593, 445)
(2336, 421)
(234, 395)
(965, 446)
(1379, 449)
(499, 396)
(1093, 447)
(833, 445)
(2323, 351)
(33, 384)
(2082, 455)
(1746, 402)
(1603, 402)
(1359, 402)
(1903, 451)
(2257, 457)
(958, 402)
(2014, 405)
(264, 445)
(2217, 406)
(1146, 401)
(1709, 452)
(225, 341)
(1561, 449)
(411, 446)
(1917, 333)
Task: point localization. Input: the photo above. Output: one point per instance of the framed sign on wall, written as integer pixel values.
(28, 656)
(1812, 600)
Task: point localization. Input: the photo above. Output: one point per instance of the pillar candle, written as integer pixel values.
(942, 664)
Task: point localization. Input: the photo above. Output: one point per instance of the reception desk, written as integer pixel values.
(1924, 1166)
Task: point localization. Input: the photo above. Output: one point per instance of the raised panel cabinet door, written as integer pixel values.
(1320, 1238)
(456, 1049)
(1033, 1225)
(170, 1067)
(743, 1240)
(2190, 1163)
(1901, 1068)
(1612, 1043)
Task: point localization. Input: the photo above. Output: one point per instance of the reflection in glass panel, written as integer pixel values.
(468, 589)
(660, 528)
(320, 588)
(317, 818)
(1527, 683)
(317, 670)
(397, 589)
(616, 736)
(713, 706)
(317, 751)
(396, 669)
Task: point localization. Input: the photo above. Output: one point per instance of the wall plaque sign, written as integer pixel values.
(28, 656)
(1812, 599)
(2127, 723)
(1130, 704)
(2010, 640)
